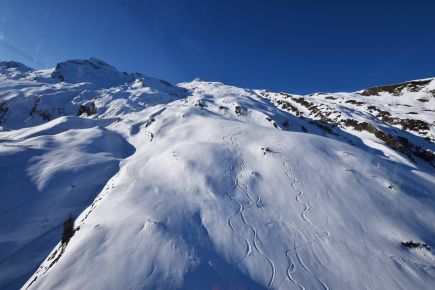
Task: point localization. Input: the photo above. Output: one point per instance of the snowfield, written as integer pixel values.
(201, 185)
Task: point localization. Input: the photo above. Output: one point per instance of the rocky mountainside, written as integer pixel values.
(202, 185)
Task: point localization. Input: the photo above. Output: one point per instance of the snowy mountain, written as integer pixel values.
(202, 185)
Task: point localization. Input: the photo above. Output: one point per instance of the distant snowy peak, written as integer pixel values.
(13, 69)
(13, 65)
(90, 70)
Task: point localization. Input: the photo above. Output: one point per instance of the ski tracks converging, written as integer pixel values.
(235, 172)
(228, 172)
(303, 215)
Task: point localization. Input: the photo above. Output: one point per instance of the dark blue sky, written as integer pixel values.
(295, 46)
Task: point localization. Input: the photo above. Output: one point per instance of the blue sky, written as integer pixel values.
(295, 46)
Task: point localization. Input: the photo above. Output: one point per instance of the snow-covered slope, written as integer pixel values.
(207, 186)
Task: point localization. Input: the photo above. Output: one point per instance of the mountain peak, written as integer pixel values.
(203, 185)
(14, 66)
(91, 70)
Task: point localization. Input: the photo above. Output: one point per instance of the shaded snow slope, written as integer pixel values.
(45, 175)
(208, 186)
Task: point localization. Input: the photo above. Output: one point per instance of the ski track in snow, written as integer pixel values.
(293, 180)
(275, 230)
(227, 142)
(324, 286)
(289, 271)
(239, 161)
(244, 188)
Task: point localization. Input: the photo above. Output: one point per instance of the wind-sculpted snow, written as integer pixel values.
(208, 186)
(46, 175)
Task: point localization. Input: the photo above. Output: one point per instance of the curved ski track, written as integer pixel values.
(293, 180)
(237, 161)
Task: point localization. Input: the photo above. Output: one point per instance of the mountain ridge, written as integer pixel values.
(200, 185)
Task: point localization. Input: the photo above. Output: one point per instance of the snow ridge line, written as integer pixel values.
(60, 248)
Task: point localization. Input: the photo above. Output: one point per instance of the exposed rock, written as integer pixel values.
(413, 245)
(238, 111)
(396, 89)
(87, 109)
(44, 114)
(4, 108)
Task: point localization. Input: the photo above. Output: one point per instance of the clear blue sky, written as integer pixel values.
(295, 46)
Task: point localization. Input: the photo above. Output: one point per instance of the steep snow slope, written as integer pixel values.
(218, 188)
(45, 174)
(52, 168)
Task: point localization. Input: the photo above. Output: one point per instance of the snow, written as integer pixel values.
(91, 70)
(45, 177)
(200, 186)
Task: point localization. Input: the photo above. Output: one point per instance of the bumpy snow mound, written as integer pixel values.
(201, 185)
(92, 71)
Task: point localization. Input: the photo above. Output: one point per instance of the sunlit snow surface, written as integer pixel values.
(200, 186)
